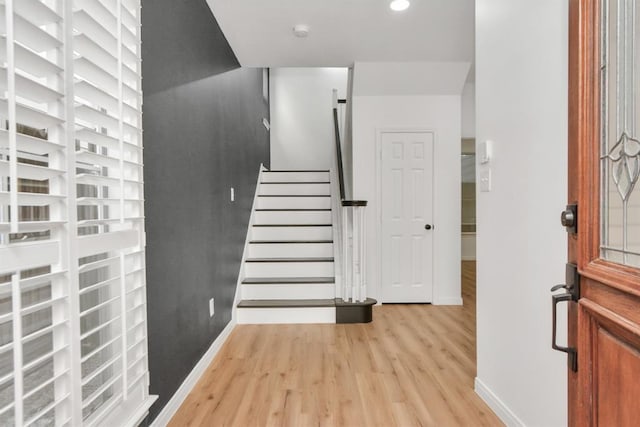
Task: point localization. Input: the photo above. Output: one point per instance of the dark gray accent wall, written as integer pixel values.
(203, 134)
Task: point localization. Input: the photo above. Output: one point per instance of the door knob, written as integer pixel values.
(428, 227)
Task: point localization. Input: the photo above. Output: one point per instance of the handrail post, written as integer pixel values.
(356, 254)
(363, 248)
(346, 274)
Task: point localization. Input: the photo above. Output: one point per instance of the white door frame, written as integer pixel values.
(378, 218)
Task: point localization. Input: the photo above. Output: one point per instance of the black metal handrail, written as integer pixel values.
(336, 129)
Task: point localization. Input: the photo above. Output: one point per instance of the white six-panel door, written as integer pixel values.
(406, 208)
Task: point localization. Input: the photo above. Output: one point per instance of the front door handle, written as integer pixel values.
(428, 227)
(555, 299)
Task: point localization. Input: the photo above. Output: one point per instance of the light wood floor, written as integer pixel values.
(413, 366)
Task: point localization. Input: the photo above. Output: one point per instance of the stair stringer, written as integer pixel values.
(252, 217)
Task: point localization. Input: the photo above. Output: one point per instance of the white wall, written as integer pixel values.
(521, 82)
(301, 117)
(441, 114)
(469, 110)
(409, 78)
(468, 243)
(412, 96)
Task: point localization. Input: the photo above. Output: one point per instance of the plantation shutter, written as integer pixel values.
(73, 347)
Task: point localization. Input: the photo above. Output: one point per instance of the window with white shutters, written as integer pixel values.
(73, 347)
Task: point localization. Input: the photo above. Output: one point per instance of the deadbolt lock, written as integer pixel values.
(569, 218)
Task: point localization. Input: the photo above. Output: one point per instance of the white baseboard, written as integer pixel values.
(140, 413)
(192, 379)
(498, 406)
(448, 301)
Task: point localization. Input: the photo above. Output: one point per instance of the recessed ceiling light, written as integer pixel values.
(301, 30)
(399, 5)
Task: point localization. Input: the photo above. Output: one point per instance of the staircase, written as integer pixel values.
(288, 274)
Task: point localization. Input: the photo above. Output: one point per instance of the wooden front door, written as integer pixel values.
(604, 169)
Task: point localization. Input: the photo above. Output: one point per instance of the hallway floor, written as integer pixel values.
(413, 366)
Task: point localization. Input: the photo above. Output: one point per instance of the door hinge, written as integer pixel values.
(572, 288)
(569, 218)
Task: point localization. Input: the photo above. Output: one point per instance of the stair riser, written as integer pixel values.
(290, 250)
(290, 189)
(293, 217)
(288, 269)
(286, 315)
(291, 233)
(288, 291)
(295, 176)
(294, 203)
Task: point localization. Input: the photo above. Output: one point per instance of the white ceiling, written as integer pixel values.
(345, 31)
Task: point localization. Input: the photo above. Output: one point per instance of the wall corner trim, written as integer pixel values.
(497, 405)
(192, 379)
(447, 300)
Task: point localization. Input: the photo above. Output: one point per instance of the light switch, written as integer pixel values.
(233, 194)
(485, 152)
(485, 180)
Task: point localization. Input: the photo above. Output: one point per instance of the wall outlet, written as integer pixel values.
(485, 180)
(211, 308)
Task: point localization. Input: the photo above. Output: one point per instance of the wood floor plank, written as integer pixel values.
(414, 365)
